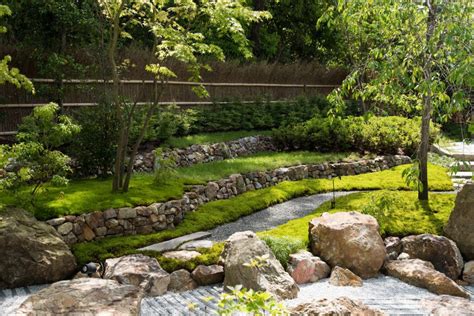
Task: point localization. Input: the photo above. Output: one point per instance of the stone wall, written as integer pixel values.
(160, 216)
(206, 153)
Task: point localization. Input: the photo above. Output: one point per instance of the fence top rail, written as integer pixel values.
(188, 83)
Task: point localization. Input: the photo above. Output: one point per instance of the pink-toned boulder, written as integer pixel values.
(306, 268)
(350, 240)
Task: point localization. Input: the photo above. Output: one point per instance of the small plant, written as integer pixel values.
(380, 208)
(165, 167)
(283, 247)
(411, 176)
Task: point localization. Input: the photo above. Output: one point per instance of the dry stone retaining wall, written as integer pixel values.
(161, 216)
(206, 153)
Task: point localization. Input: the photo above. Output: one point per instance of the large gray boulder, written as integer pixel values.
(139, 270)
(423, 274)
(87, 296)
(350, 240)
(267, 275)
(461, 222)
(31, 252)
(439, 250)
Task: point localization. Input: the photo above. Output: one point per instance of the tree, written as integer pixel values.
(419, 59)
(179, 30)
(8, 74)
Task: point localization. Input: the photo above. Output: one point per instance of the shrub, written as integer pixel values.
(283, 247)
(380, 135)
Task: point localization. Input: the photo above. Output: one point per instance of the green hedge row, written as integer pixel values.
(380, 135)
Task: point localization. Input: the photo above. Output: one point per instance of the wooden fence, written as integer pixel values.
(17, 103)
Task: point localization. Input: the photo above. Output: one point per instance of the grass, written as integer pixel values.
(220, 212)
(405, 215)
(211, 138)
(82, 196)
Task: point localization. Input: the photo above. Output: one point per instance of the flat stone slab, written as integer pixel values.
(196, 244)
(182, 255)
(173, 244)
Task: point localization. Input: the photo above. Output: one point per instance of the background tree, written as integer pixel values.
(419, 59)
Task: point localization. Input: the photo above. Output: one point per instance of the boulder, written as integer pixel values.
(88, 296)
(344, 277)
(447, 305)
(468, 273)
(423, 274)
(306, 268)
(440, 251)
(393, 247)
(181, 281)
(141, 271)
(461, 222)
(182, 255)
(338, 306)
(350, 240)
(206, 275)
(268, 275)
(31, 252)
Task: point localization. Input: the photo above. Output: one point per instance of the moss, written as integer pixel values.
(404, 215)
(220, 212)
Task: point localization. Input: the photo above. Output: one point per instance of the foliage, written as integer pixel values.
(399, 213)
(94, 147)
(283, 247)
(165, 168)
(380, 135)
(34, 160)
(240, 300)
(220, 212)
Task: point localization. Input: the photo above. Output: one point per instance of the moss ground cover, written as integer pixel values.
(211, 138)
(95, 194)
(220, 212)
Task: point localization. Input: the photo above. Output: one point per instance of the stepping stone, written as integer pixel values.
(463, 174)
(173, 244)
(196, 244)
(182, 255)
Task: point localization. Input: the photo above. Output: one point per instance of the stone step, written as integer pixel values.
(463, 175)
(173, 244)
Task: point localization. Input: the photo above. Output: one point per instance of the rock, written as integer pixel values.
(461, 222)
(211, 190)
(393, 247)
(87, 296)
(339, 306)
(350, 240)
(344, 277)
(181, 281)
(447, 305)
(206, 275)
(403, 256)
(141, 271)
(196, 244)
(468, 273)
(65, 228)
(243, 247)
(31, 252)
(423, 274)
(440, 251)
(182, 255)
(306, 268)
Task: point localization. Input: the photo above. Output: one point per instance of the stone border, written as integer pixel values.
(195, 154)
(161, 216)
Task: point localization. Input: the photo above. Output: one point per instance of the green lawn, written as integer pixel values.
(211, 138)
(82, 196)
(220, 212)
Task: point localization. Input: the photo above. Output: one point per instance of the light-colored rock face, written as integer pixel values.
(461, 222)
(448, 305)
(306, 268)
(339, 306)
(422, 274)
(468, 273)
(440, 251)
(141, 271)
(181, 281)
(344, 277)
(87, 296)
(31, 252)
(183, 255)
(206, 275)
(350, 240)
(243, 247)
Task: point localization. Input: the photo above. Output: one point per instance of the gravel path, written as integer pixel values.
(274, 216)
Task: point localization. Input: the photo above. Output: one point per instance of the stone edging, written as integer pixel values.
(161, 216)
(206, 153)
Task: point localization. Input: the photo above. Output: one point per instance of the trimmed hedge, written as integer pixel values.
(380, 135)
